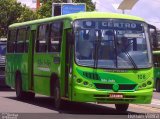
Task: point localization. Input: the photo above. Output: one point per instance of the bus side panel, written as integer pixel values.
(17, 62)
(22, 66)
(10, 69)
(43, 68)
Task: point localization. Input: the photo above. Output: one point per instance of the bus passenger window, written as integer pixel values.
(42, 36)
(55, 37)
(26, 43)
(11, 43)
(20, 40)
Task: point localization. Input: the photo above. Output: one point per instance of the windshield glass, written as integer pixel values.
(2, 49)
(112, 44)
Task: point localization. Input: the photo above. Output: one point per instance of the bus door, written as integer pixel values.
(68, 63)
(30, 59)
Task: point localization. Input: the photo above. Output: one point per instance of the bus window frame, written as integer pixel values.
(23, 41)
(59, 38)
(46, 38)
(12, 42)
(27, 38)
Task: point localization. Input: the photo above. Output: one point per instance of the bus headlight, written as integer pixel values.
(146, 84)
(149, 82)
(74, 77)
(79, 80)
(85, 83)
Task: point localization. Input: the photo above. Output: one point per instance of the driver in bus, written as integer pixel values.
(85, 47)
(122, 44)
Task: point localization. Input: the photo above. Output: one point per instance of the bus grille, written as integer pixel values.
(91, 75)
(121, 86)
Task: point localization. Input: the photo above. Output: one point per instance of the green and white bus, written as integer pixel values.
(82, 57)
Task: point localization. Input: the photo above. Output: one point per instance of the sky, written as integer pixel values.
(29, 3)
(147, 9)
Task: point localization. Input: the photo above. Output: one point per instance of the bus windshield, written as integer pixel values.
(112, 43)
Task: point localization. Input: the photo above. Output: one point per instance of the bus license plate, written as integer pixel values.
(116, 95)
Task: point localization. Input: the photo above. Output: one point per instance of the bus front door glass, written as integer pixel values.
(120, 44)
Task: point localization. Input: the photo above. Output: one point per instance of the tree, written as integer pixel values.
(10, 10)
(89, 5)
(46, 8)
(27, 15)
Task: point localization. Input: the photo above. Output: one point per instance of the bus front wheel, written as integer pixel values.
(158, 85)
(121, 107)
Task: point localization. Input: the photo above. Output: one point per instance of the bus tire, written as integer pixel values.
(121, 107)
(20, 94)
(57, 96)
(158, 85)
(29, 95)
(18, 87)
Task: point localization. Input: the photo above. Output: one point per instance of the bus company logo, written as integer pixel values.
(108, 80)
(115, 87)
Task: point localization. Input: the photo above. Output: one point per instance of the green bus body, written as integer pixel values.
(77, 83)
(156, 60)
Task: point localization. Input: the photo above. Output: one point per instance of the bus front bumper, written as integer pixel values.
(82, 94)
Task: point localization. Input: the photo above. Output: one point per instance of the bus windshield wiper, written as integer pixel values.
(97, 45)
(130, 58)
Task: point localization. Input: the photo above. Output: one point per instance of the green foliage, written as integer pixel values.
(46, 8)
(89, 5)
(12, 12)
(27, 15)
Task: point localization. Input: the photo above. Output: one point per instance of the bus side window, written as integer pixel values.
(55, 38)
(42, 37)
(26, 43)
(11, 43)
(20, 40)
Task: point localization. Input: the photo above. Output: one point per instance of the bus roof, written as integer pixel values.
(80, 15)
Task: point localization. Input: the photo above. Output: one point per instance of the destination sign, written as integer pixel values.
(112, 25)
(73, 8)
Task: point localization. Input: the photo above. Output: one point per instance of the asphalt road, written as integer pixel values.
(156, 95)
(42, 107)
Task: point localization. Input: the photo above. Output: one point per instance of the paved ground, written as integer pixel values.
(42, 106)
